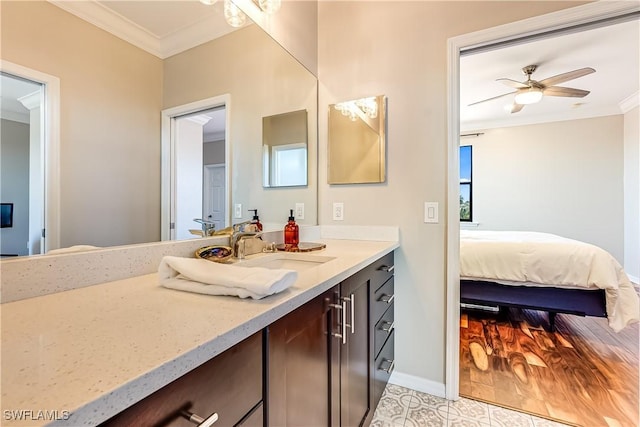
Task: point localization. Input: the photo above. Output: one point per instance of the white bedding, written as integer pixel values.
(546, 259)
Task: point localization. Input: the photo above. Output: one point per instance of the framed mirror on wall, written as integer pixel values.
(285, 149)
(357, 141)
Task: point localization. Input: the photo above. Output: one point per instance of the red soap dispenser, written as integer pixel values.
(256, 219)
(291, 237)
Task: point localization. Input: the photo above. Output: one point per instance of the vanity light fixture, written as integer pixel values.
(270, 6)
(234, 16)
(352, 109)
(527, 96)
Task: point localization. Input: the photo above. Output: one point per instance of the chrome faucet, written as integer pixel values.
(208, 227)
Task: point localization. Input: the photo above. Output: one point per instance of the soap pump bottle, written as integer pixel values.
(291, 237)
(256, 220)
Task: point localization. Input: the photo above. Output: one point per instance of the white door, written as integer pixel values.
(215, 195)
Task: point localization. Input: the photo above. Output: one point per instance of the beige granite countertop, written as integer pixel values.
(83, 355)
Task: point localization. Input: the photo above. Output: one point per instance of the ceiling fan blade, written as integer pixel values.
(565, 77)
(516, 107)
(565, 91)
(513, 83)
(491, 99)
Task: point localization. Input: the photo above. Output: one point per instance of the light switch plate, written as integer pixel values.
(237, 210)
(299, 210)
(431, 212)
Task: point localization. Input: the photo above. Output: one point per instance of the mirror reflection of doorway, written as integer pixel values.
(22, 169)
(200, 187)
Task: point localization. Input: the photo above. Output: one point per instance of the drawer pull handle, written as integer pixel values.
(353, 313)
(339, 307)
(387, 298)
(201, 422)
(389, 369)
(389, 328)
(387, 268)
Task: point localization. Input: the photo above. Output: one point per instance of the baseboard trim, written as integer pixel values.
(417, 383)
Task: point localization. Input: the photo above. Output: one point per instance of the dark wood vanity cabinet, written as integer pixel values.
(325, 364)
(327, 361)
(229, 385)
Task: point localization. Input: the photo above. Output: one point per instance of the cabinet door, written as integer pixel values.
(355, 361)
(299, 359)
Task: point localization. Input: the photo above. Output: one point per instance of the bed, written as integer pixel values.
(546, 272)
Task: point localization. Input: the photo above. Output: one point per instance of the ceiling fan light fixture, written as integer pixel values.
(528, 96)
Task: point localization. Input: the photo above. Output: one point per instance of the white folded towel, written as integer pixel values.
(206, 277)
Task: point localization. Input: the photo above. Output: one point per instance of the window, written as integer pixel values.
(465, 184)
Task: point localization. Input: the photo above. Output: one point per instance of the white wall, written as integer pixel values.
(14, 168)
(213, 152)
(399, 49)
(632, 193)
(564, 178)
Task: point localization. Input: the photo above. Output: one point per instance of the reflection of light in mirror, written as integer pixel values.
(352, 109)
(209, 2)
(269, 6)
(234, 16)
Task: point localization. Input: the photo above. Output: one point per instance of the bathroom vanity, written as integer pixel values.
(130, 352)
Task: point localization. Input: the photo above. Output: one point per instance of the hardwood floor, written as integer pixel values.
(583, 374)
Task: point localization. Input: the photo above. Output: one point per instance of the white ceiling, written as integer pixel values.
(162, 28)
(613, 51)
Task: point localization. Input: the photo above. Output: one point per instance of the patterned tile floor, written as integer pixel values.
(403, 407)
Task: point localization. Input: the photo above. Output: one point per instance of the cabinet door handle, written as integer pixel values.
(351, 316)
(353, 313)
(201, 422)
(389, 369)
(337, 307)
(387, 298)
(389, 328)
(344, 322)
(387, 268)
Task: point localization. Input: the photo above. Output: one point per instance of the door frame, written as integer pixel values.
(50, 153)
(168, 141)
(576, 16)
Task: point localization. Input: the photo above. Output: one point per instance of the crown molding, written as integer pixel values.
(202, 31)
(630, 102)
(31, 100)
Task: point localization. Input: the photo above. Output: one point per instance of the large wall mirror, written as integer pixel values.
(285, 149)
(357, 141)
(111, 97)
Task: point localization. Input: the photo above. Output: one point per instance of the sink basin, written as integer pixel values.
(286, 260)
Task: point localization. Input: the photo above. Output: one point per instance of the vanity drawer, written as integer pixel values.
(382, 300)
(383, 367)
(381, 270)
(230, 385)
(383, 329)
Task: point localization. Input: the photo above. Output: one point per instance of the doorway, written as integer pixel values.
(30, 170)
(573, 18)
(195, 167)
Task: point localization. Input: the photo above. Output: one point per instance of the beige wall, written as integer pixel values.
(262, 80)
(399, 49)
(564, 178)
(632, 193)
(110, 99)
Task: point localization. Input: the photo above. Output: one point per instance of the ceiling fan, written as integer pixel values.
(531, 91)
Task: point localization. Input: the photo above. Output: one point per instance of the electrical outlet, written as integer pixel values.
(338, 211)
(237, 210)
(299, 210)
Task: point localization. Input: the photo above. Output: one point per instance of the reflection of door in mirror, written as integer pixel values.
(357, 141)
(284, 149)
(22, 170)
(199, 164)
